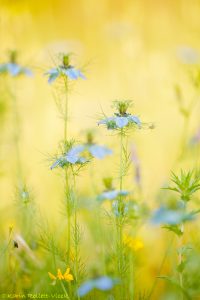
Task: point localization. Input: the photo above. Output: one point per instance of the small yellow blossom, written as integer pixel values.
(60, 275)
(66, 276)
(52, 276)
(134, 244)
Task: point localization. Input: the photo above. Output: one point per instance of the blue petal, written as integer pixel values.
(53, 74)
(82, 160)
(52, 77)
(72, 158)
(104, 283)
(73, 155)
(123, 193)
(121, 121)
(27, 72)
(14, 69)
(169, 216)
(76, 150)
(52, 71)
(135, 119)
(106, 120)
(109, 195)
(56, 164)
(74, 74)
(99, 151)
(85, 288)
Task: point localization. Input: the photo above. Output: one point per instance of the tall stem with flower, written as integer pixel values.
(13, 70)
(122, 122)
(69, 154)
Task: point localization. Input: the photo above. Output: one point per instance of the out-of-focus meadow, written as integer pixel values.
(144, 51)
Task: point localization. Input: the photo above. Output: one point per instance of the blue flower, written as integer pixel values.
(73, 156)
(98, 151)
(69, 72)
(112, 194)
(165, 215)
(64, 70)
(103, 283)
(14, 69)
(119, 122)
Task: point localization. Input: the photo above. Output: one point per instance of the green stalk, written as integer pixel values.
(64, 290)
(119, 221)
(180, 260)
(67, 191)
(131, 277)
(16, 137)
(76, 241)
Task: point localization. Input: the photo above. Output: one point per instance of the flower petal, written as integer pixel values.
(121, 121)
(99, 151)
(85, 288)
(14, 69)
(104, 283)
(74, 74)
(135, 120)
(51, 276)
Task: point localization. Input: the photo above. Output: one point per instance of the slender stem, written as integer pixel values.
(76, 238)
(17, 136)
(67, 190)
(64, 290)
(66, 110)
(180, 259)
(131, 277)
(119, 218)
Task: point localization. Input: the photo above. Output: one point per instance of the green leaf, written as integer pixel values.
(174, 228)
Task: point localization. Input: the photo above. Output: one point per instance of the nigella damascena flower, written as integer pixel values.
(13, 68)
(72, 156)
(121, 118)
(97, 151)
(103, 283)
(65, 70)
(110, 193)
(169, 216)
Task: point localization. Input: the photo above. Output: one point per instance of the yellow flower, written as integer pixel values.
(68, 276)
(134, 244)
(60, 275)
(52, 276)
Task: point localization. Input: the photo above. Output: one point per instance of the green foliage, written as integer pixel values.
(186, 184)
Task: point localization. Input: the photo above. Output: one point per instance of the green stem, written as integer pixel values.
(64, 290)
(16, 137)
(67, 191)
(66, 110)
(119, 219)
(180, 260)
(76, 238)
(131, 278)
